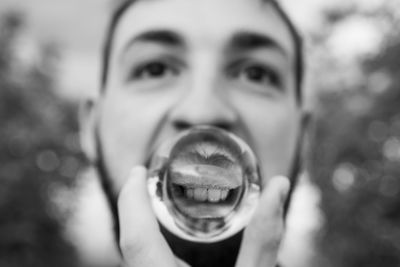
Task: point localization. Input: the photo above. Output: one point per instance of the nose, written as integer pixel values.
(204, 104)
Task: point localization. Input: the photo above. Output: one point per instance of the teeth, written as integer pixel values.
(203, 194)
(190, 193)
(224, 194)
(214, 195)
(200, 194)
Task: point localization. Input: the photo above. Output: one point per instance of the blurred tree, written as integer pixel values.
(355, 154)
(39, 154)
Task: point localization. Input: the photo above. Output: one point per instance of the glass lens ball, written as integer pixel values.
(204, 184)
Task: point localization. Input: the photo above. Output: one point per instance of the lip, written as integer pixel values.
(206, 176)
(203, 210)
(213, 137)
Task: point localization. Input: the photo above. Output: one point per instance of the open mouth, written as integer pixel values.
(205, 184)
(204, 203)
(204, 194)
(204, 175)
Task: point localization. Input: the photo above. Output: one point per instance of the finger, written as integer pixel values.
(182, 263)
(141, 241)
(263, 235)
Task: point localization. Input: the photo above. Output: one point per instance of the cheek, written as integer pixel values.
(127, 126)
(273, 129)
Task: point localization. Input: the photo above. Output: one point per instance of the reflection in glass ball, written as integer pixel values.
(204, 184)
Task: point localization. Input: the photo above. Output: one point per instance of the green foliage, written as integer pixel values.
(39, 155)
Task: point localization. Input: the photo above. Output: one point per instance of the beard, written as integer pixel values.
(222, 253)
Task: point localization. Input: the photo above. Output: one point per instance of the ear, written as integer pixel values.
(87, 122)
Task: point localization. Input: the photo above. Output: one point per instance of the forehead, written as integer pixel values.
(211, 21)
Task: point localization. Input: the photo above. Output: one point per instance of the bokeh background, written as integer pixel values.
(346, 210)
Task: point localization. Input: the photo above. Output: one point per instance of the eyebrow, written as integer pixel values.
(161, 37)
(247, 40)
(241, 41)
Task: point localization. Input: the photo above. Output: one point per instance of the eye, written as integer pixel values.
(255, 75)
(153, 70)
(259, 75)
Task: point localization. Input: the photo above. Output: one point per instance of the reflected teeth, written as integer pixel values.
(203, 194)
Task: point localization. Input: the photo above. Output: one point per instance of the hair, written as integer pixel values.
(124, 4)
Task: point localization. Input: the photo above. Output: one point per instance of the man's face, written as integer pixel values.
(181, 63)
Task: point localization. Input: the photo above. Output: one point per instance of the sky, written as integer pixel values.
(77, 27)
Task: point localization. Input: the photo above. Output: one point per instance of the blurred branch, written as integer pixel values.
(39, 153)
(355, 153)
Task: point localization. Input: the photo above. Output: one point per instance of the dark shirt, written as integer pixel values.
(219, 254)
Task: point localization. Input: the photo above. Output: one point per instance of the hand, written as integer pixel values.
(263, 235)
(142, 244)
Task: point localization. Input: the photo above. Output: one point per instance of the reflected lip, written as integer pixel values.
(206, 176)
(207, 163)
(213, 136)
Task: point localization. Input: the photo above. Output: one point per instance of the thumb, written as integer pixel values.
(263, 235)
(141, 241)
